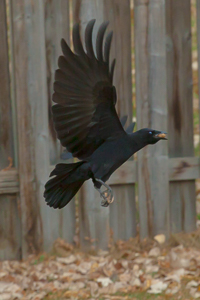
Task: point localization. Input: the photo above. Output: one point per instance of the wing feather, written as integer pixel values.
(107, 47)
(88, 39)
(99, 43)
(84, 114)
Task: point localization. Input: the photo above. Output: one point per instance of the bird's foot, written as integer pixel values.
(107, 195)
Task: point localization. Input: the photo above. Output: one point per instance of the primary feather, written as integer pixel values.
(85, 114)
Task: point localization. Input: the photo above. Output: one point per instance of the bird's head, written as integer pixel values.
(151, 136)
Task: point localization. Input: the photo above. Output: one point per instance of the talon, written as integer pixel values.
(104, 203)
(107, 195)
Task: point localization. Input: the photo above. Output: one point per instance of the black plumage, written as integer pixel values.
(86, 121)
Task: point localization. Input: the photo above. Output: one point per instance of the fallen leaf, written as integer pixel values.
(155, 252)
(151, 269)
(76, 286)
(172, 291)
(135, 282)
(125, 277)
(192, 283)
(157, 287)
(84, 267)
(5, 296)
(94, 288)
(160, 238)
(67, 260)
(105, 281)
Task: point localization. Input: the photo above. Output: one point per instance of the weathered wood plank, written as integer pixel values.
(198, 47)
(184, 168)
(94, 219)
(141, 65)
(150, 59)
(39, 220)
(10, 237)
(116, 12)
(56, 27)
(179, 169)
(126, 174)
(25, 82)
(6, 138)
(9, 217)
(123, 213)
(180, 106)
(9, 182)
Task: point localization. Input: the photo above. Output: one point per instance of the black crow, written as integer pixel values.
(68, 155)
(86, 121)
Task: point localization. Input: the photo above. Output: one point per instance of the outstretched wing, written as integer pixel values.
(85, 114)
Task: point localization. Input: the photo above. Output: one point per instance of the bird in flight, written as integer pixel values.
(68, 155)
(86, 120)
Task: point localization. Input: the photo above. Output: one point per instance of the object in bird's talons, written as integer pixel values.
(107, 195)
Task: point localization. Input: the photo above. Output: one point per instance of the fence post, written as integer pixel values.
(29, 207)
(123, 210)
(10, 240)
(180, 106)
(151, 96)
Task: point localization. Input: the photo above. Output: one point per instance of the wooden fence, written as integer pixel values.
(162, 176)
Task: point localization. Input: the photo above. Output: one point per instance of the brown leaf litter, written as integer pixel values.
(125, 268)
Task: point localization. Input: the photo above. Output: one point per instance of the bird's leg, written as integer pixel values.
(107, 195)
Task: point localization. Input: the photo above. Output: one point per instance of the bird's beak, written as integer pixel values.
(161, 135)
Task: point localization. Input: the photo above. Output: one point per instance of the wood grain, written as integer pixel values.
(116, 12)
(179, 169)
(25, 83)
(56, 27)
(9, 182)
(9, 215)
(150, 56)
(10, 230)
(180, 106)
(56, 24)
(6, 138)
(198, 47)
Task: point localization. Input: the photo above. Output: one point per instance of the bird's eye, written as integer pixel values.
(150, 132)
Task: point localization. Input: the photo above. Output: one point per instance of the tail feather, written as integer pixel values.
(62, 188)
(65, 168)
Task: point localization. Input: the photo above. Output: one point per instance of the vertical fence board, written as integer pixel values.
(116, 12)
(180, 106)
(48, 219)
(94, 219)
(142, 104)
(198, 51)
(28, 203)
(10, 230)
(6, 141)
(152, 113)
(31, 95)
(56, 27)
(123, 212)
(10, 240)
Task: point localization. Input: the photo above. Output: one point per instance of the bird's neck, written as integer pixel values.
(137, 142)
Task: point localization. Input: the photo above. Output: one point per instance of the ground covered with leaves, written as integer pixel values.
(127, 271)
